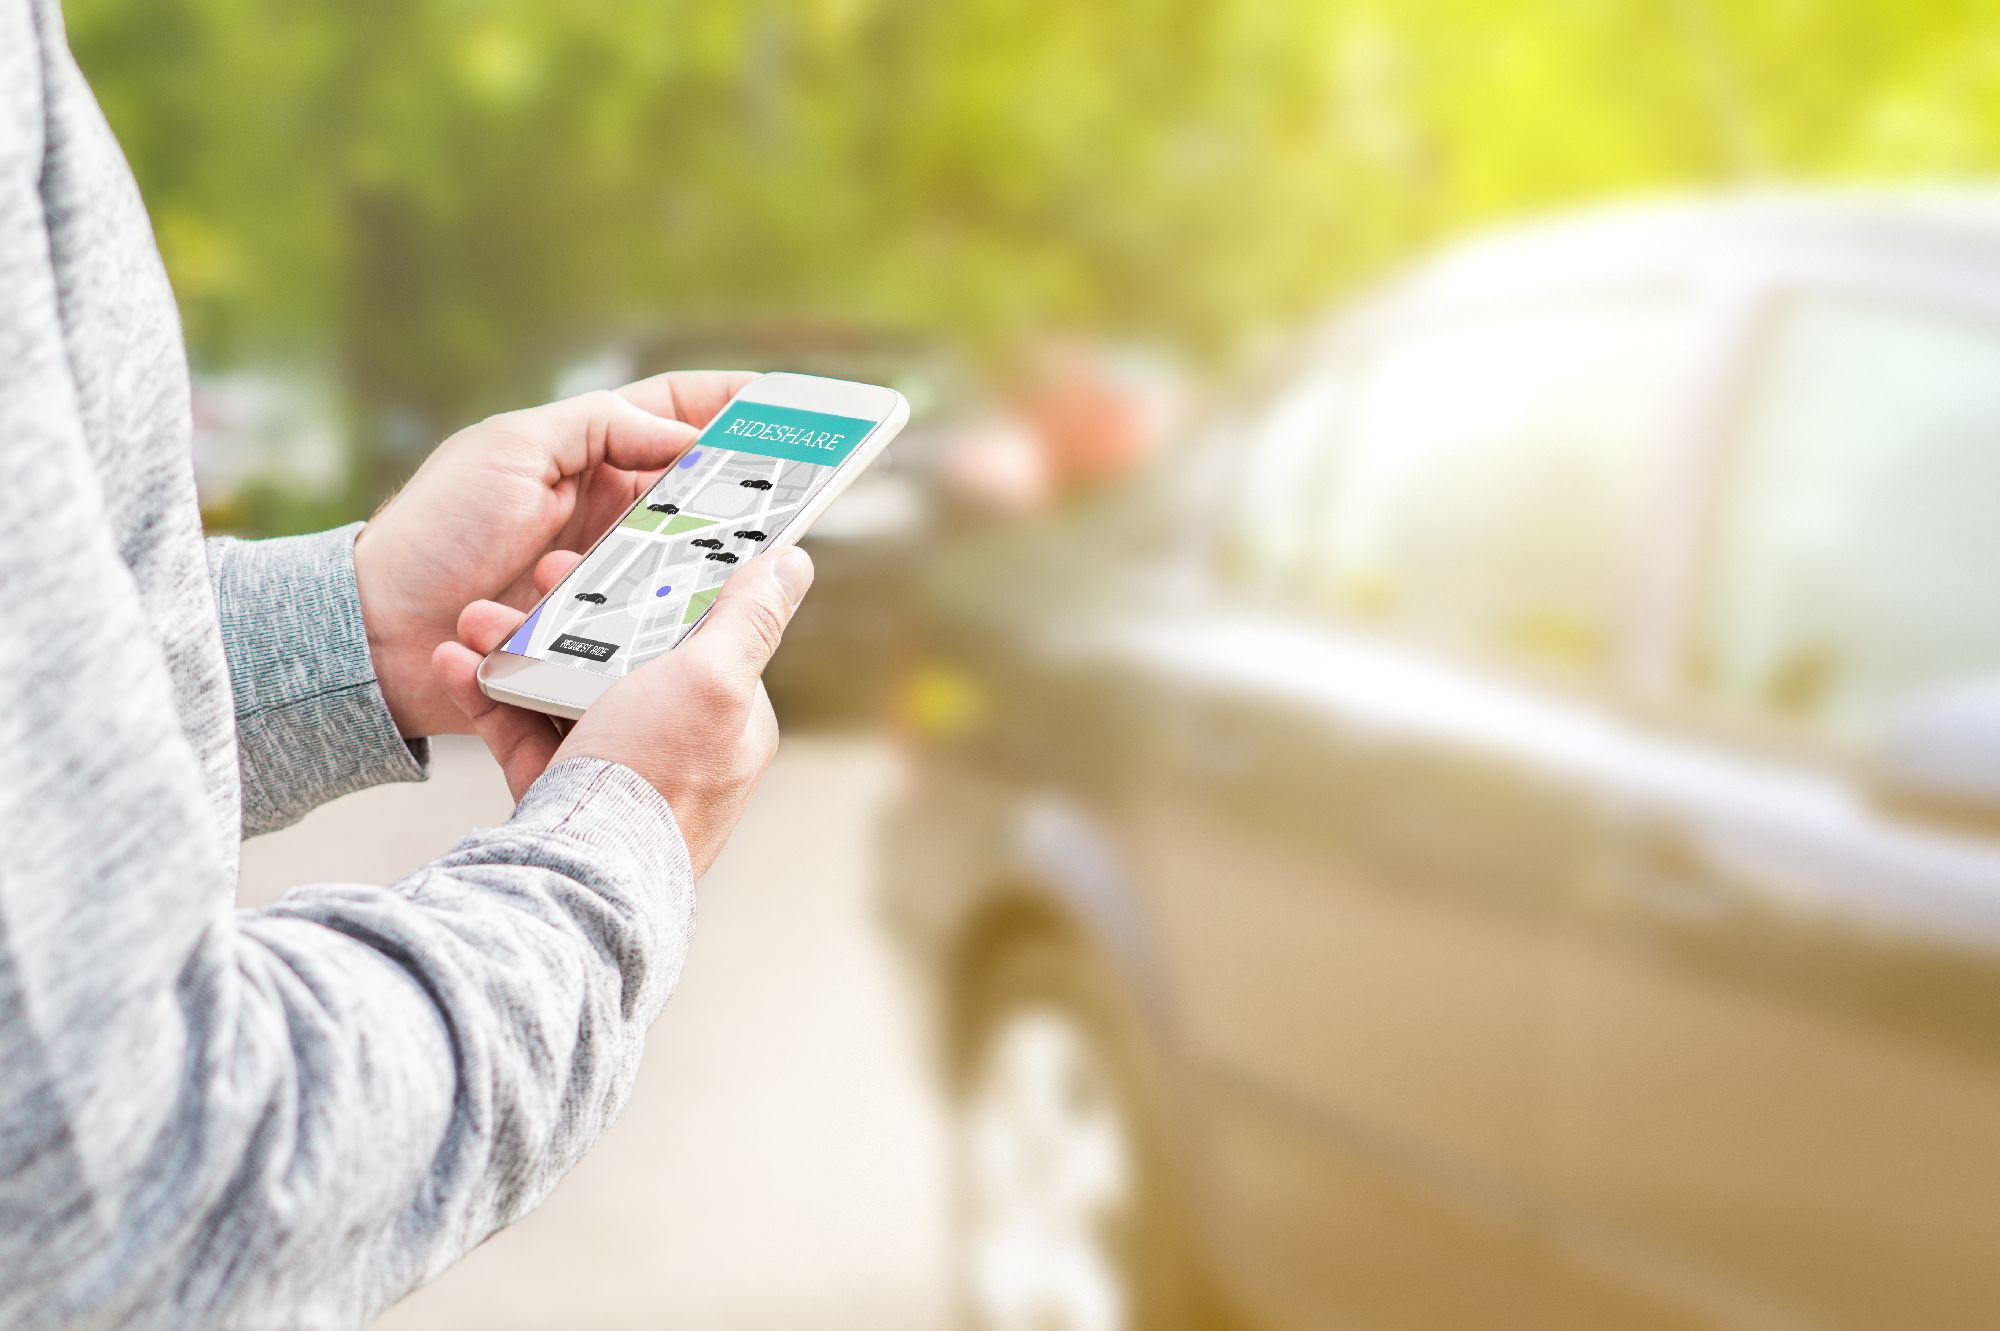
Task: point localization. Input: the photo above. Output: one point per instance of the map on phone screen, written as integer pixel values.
(646, 585)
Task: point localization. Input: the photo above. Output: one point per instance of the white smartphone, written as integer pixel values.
(766, 467)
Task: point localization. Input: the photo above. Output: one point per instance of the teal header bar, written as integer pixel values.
(791, 433)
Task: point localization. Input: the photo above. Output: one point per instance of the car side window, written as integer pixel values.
(1497, 473)
(1856, 543)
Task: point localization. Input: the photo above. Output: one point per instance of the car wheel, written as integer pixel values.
(1065, 1211)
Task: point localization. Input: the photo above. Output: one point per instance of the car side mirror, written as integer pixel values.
(1940, 756)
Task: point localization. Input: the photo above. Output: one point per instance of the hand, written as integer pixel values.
(695, 722)
(495, 499)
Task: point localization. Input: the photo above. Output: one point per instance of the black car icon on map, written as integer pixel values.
(755, 485)
(749, 536)
(707, 543)
(723, 557)
(595, 598)
(663, 508)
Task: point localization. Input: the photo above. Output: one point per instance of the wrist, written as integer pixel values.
(401, 671)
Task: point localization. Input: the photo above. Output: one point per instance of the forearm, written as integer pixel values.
(349, 1089)
(286, 1117)
(536, 954)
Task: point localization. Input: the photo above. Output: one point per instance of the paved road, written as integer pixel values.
(780, 1163)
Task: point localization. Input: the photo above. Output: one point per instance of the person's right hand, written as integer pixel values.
(695, 722)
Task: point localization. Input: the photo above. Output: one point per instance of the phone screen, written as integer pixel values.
(646, 584)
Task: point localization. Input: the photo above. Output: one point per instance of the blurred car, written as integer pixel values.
(663, 508)
(755, 485)
(706, 543)
(1503, 831)
(595, 598)
(750, 536)
(721, 557)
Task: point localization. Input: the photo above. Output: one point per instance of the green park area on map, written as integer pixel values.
(643, 587)
(698, 604)
(646, 520)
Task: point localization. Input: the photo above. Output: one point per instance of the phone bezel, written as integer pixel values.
(560, 690)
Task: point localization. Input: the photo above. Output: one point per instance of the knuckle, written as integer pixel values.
(766, 623)
(710, 683)
(601, 408)
(502, 432)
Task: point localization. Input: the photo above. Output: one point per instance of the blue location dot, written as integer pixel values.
(663, 591)
(693, 456)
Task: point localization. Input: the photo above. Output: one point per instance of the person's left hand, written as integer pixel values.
(497, 499)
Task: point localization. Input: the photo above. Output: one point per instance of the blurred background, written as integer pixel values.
(1410, 739)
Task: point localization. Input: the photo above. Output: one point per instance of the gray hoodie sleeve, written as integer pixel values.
(276, 1118)
(290, 1117)
(311, 724)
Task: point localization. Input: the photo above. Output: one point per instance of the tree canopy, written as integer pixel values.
(445, 196)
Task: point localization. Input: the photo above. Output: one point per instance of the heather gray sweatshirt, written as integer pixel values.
(214, 1117)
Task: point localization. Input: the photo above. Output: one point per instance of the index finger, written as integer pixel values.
(692, 396)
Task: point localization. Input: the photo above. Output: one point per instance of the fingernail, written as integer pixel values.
(794, 571)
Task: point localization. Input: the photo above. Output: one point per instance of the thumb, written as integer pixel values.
(749, 617)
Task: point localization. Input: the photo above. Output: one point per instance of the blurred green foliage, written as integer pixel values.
(444, 197)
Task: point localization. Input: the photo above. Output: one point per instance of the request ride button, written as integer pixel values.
(588, 648)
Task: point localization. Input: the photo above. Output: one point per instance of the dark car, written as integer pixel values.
(723, 557)
(755, 484)
(595, 598)
(706, 543)
(663, 508)
(750, 536)
(1506, 831)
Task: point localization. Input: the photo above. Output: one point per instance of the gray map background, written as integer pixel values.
(642, 555)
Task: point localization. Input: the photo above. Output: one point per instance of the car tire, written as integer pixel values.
(1068, 1211)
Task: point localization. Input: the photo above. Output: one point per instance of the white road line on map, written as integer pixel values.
(639, 541)
(647, 626)
(653, 625)
(577, 614)
(652, 540)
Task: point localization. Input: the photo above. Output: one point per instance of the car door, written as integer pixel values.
(1779, 1042)
(1354, 813)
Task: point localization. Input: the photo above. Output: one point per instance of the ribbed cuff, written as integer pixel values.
(603, 824)
(311, 721)
(615, 813)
